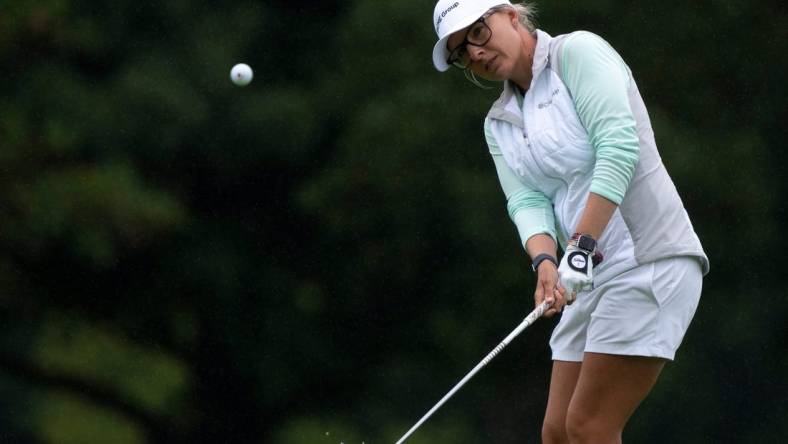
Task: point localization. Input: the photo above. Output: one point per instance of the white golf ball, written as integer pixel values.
(241, 74)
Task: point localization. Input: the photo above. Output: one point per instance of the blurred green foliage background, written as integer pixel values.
(318, 257)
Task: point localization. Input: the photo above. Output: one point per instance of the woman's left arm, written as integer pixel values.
(599, 82)
(596, 215)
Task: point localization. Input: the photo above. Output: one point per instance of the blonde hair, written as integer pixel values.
(526, 11)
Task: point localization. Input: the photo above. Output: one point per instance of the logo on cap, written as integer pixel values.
(443, 14)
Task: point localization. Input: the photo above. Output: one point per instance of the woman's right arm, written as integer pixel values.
(532, 213)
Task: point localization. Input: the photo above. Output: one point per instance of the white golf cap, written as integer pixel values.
(452, 15)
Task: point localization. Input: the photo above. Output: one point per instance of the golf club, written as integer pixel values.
(533, 316)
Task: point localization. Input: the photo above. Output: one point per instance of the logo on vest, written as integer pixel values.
(443, 14)
(544, 105)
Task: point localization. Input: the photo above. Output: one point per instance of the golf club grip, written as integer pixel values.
(533, 316)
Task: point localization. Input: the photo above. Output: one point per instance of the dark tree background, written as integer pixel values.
(318, 257)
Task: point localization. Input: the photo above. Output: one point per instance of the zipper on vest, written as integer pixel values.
(527, 140)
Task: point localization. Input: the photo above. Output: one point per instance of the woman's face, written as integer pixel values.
(496, 59)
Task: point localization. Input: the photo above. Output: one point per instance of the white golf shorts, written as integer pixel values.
(641, 312)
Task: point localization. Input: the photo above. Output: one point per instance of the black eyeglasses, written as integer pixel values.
(478, 35)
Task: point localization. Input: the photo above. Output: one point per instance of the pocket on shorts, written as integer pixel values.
(677, 281)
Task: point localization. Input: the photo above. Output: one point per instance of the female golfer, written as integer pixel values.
(575, 154)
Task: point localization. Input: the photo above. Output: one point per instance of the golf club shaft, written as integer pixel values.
(533, 316)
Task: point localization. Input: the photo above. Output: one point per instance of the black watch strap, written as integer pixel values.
(543, 257)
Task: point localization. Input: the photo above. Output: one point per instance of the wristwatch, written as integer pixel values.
(540, 258)
(588, 244)
(584, 242)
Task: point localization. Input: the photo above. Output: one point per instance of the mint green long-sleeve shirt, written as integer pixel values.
(597, 79)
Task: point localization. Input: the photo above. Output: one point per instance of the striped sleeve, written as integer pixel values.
(530, 210)
(599, 82)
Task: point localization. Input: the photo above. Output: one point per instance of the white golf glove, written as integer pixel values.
(576, 271)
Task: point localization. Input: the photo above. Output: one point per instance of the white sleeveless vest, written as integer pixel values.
(548, 147)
